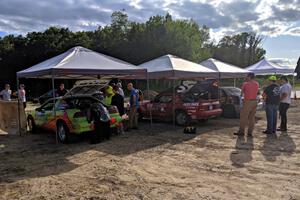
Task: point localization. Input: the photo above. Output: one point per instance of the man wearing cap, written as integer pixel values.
(247, 115)
(272, 98)
(285, 101)
(109, 93)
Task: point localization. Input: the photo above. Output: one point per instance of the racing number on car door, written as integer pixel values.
(162, 107)
(44, 113)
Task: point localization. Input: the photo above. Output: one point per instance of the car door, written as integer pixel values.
(44, 113)
(162, 107)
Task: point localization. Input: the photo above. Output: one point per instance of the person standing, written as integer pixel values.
(285, 101)
(134, 105)
(61, 90)
(247, 115)
(6, 93)
(118, 100)
(22, 95)
(101, 120)
(108, 95)
(272, 98)
(120, 90)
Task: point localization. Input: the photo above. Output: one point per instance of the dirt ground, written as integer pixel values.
(158, 162)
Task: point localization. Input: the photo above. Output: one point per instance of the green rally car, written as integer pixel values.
(72, 115)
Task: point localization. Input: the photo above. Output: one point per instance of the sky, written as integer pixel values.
(277, 21)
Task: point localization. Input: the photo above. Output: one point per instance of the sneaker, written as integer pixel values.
(238, 133)
(267, 132)
(281, 129)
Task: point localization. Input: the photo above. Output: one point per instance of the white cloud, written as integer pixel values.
(267, 17)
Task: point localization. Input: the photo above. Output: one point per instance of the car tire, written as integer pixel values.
(229, 111)
(31, 125)
(63, 134)
(182, 118)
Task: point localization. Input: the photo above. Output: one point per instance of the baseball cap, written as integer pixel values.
(272, 78)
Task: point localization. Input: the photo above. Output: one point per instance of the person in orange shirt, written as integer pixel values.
(247, 116)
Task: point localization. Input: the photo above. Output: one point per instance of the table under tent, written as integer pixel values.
(81, 63)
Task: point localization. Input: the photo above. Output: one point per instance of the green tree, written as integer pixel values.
(242, 49)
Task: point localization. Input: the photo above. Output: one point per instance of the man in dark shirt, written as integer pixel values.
(61, 90)
(118, 100)
(272, 98)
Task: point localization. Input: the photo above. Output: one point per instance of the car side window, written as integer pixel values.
(63, 105)
(48, 106)
(165, 99)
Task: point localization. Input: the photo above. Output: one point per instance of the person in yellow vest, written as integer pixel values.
(109, 93)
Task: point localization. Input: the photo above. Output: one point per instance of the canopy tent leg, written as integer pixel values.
(219, 88)
(294, 88)
(148, 94)
(54, 107)
(174, 103)
(19, 112)
(234, 82)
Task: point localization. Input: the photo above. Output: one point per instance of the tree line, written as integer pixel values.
(130, 41)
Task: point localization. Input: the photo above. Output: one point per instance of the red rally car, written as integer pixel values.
(194, 102)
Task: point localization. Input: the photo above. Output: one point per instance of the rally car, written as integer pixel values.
(71, 116)
(192, 102)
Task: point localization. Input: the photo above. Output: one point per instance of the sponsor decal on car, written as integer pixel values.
(191, 104)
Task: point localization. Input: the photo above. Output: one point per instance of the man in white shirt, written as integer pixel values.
(6, 93)
(285, 101)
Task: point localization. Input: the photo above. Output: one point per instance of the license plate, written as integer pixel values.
(210, 107)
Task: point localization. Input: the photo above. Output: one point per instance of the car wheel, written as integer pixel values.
(229, 111)
(182, 118)
(62, 132)
(31, 125)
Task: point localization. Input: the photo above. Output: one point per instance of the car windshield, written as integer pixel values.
(86, 89)
(233, 91)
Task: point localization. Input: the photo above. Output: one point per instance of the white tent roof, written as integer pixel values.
(226, 70)
(173, 67)
(265, 67)
(80, 62)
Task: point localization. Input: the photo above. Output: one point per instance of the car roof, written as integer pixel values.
(71, 97)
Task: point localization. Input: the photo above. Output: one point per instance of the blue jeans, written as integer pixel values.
(271, 112)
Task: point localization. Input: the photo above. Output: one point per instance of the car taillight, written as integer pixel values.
(113, 120)
(78, 115)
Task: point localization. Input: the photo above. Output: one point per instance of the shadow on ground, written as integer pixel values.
(38, 155)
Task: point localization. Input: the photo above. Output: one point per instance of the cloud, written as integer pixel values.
(267, 17)
(284, 61)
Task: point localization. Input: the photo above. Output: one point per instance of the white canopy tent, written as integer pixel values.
(265, 67)
(80, 63)
(225, 70)
(173, 67)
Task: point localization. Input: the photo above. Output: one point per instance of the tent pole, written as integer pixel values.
(294, 89)
(19, 117)
(54, 108)
(219, 90)
(174, 102)
(148, 94)
(234, 82)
